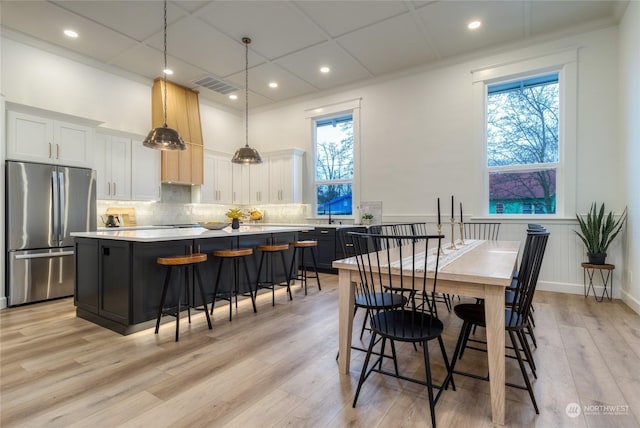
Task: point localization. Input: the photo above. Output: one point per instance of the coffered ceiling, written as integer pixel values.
(358, 40)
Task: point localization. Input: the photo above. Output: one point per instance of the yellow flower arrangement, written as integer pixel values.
(235, 213)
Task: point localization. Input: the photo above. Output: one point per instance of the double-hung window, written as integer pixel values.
(334, 165)
(527, 130)
(522, 126)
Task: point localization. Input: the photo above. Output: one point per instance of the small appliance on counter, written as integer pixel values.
(118, 216)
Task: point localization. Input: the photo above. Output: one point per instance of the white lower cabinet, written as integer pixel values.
(259, 183)
(112, 162)
(217, 187)
(285, 177)
(241, 184)
(146, 167)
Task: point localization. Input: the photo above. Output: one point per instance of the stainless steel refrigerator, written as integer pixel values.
(44, 204)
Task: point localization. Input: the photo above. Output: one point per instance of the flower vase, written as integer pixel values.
(235, 223)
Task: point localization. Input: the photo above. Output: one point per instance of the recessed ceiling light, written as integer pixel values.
(168, 71)
(473, 25)
(233, 97)
(324, 69)
(71, 33)
(273, 85)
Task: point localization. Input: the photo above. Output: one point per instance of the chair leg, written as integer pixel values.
(465, 340)
(258, 278)
(364, 369)
(466, 326)
(186, 290)
(524, 371)
(196, 270)
(427, 368)
(284, 269)
(364, 323)
(449, 378)
(164, 296)
(527, 351)
(315, 266)
(246, 272)
(293, 262)
(178, 311)
(215, 287)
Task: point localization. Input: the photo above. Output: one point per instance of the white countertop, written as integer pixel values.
(174, 234)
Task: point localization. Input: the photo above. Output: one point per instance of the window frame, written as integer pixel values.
(565, 64)
(319, 114)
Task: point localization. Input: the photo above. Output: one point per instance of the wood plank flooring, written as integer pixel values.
(277, 368)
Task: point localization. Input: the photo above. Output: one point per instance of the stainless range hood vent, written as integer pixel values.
(216, 84)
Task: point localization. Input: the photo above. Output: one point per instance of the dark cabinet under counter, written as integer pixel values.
(329, 245)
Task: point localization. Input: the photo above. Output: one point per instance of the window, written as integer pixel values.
(334, 165)
(523, 144)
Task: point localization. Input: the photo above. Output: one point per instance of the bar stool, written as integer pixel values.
(235, 256)
(269, 251)
(304, 276)
(182, 262)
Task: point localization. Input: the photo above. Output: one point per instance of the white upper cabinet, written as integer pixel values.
(241, 184)
(285, 177)
(145, 172)
(259, 183)
(217, 187)
(112, 162)
(40, 139)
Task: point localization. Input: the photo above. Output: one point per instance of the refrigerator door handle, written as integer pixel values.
(55, 233)
(44, 255)
(62, 207)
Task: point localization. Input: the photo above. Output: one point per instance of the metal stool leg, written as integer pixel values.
(202, 296)
(164, 295)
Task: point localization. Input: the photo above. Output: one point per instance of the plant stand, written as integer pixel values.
(606, 274)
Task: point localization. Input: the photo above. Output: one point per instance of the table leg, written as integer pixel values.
(494, 315)
(346, 300)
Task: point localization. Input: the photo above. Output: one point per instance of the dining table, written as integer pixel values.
(473, 268)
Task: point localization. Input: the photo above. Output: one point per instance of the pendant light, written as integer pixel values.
(164, 138)
(246, 154)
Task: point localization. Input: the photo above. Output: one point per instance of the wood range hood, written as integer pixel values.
(183, 115)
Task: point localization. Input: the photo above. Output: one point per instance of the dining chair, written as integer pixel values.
(482, 230)
(387, 300)
(516, 314)
(400, 262)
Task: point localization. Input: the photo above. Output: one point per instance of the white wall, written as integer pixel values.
(629, 84)
(417, 143)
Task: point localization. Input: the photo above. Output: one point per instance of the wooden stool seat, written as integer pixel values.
(273, 248)
(304, 244)
(240, 252)
(236, 256)
(182, 261)
(304, 275)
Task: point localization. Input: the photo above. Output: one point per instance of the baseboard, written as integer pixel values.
(631, 301)
(3, 302)
(565, 287)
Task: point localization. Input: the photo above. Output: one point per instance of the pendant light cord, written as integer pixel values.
(164, 72)
(246, 41)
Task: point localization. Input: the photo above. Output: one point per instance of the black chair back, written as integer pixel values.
(527, 279)
(487, 231)
(399, 263)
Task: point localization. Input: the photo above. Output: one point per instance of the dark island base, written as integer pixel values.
(119, 283)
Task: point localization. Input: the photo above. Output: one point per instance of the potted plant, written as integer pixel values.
(367, 218)
(235, 214)
(598, 231)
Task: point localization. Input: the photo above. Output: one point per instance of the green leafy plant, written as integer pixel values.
(367, 216)
(598, 231)
(235, 213)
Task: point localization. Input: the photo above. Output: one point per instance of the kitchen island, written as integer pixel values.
(118, 282)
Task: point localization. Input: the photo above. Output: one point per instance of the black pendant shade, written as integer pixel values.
(164, 138)
(246, 155)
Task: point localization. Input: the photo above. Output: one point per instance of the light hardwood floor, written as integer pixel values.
(277, 368)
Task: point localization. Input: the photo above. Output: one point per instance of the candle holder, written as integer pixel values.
(440, 233)
(452, 246)
(461, 233)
